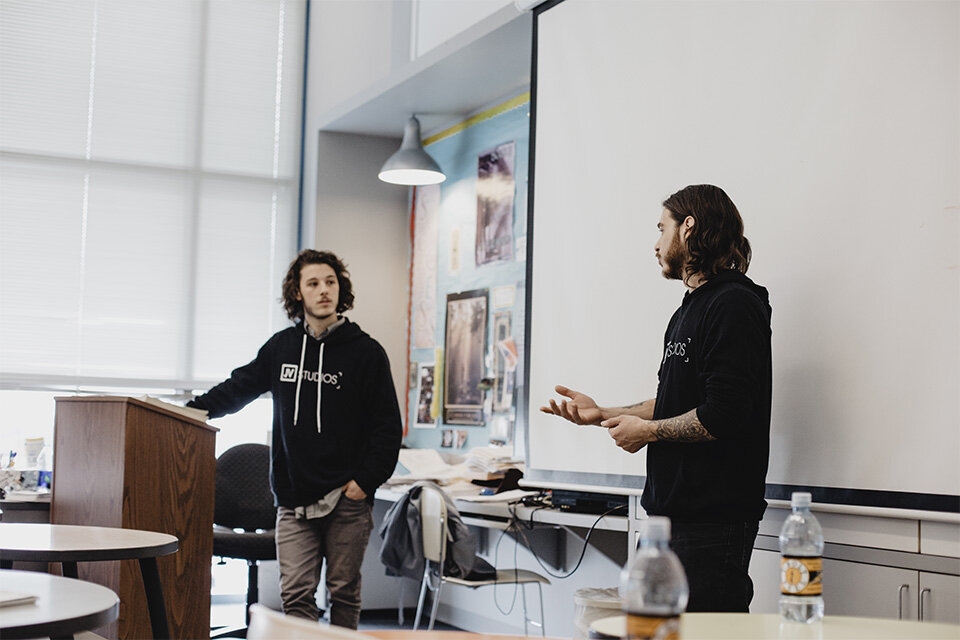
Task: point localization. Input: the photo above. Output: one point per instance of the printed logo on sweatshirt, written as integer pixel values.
(288, 373)
(677, 349)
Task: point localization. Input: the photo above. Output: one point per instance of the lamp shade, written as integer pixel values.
(411, 165)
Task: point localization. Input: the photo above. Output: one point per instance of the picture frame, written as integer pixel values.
(425, 389)
(465, 349)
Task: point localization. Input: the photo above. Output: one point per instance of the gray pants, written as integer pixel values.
(340, 537)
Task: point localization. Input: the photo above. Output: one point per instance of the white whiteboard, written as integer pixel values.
(835, 128)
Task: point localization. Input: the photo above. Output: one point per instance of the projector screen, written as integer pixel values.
(835, 128)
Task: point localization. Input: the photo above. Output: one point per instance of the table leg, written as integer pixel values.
(69, 570)
(154, 591)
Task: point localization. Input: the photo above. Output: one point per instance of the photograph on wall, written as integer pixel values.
(425, 391)
(446, 438)
(461, 436)
(465, 347)
(501, 430)
(495, 195)
(502, 380)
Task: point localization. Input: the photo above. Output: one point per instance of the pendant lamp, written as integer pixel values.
(411, 165)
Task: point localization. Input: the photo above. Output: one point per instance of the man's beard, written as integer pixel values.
(674, 259)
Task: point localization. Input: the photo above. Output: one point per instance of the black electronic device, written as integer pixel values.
(587, 502)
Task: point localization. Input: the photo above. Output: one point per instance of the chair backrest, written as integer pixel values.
(433, 522)
(267, 624)
(243, 499)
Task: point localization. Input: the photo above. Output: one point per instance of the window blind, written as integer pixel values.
(148, 180)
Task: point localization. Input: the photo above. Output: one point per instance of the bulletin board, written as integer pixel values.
(468, 285)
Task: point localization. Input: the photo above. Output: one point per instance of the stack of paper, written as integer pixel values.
(482, 463)
(14, 598)
(493, 461)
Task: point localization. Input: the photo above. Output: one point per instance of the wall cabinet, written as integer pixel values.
(858, 589)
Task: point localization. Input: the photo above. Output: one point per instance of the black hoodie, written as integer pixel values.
(716, 359)
(352, 431)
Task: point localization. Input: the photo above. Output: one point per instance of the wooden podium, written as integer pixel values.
(122, 462)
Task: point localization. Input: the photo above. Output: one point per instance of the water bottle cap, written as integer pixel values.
(655, 528)
(800, 499)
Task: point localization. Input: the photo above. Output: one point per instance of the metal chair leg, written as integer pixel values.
(436, 603)
(523, 597)
(423, 594)
(543, 621)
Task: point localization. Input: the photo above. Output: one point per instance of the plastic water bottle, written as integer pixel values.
(653, 589)
(801, 564)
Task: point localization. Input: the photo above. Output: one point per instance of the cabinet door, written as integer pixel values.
(939, 598)
(854, 589)
(765, 573)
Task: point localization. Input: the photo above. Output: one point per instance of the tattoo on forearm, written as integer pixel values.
(637, 404)
(685, 428)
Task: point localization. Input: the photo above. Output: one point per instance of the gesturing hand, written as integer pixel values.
(579, 409)
(629, 432)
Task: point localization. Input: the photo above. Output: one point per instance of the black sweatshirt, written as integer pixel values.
(716, 359)
(359, 431)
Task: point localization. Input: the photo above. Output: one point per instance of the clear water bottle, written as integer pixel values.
(801, 564)
(653, 588)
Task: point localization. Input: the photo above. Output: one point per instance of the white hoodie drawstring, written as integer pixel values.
(319, 385)
(296, 402)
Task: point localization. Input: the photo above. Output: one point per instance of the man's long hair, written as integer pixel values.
(716, 241)
(291, 282)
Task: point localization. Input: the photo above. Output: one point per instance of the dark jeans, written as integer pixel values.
(716, 557)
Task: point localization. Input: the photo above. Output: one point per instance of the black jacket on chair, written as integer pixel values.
(402, 550)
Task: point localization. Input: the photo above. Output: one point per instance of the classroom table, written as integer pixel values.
(63, 606)
(409, 634)
(68, 544)
(767, 626)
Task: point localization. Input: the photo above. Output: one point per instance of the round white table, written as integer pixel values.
(63, 606)
(767, 626)
(69, 544)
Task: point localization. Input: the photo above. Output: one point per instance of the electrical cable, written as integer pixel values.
(518, 524)
(583, 551)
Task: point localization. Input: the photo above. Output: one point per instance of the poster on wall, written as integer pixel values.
(424, 286)
(502, 375)
(495, 194)
(465, 348)
(425, 391)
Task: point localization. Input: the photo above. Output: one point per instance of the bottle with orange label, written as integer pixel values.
(653, 588)
(801, 563)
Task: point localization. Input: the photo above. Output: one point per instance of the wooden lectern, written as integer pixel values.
(123, 462)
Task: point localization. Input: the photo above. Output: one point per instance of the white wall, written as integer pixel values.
(366, 222)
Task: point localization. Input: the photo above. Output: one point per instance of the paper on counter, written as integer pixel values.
(421, 462)
(507, 496)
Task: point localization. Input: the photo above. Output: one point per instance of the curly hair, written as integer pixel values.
(291, 282)
(716, 241)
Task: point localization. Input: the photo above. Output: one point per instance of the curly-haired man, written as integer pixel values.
(336, 434)
(707, 432)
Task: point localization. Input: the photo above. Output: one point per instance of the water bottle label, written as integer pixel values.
(640, 627)
(801, 576)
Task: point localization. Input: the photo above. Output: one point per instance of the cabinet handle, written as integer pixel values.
(900, 600)
(923, 591)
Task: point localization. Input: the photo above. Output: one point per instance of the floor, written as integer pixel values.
(228, 595)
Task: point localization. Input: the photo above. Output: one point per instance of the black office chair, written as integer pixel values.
(244, 501)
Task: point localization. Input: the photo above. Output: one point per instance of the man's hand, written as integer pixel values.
(631, 433)
(353, 491)
(580, 409)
